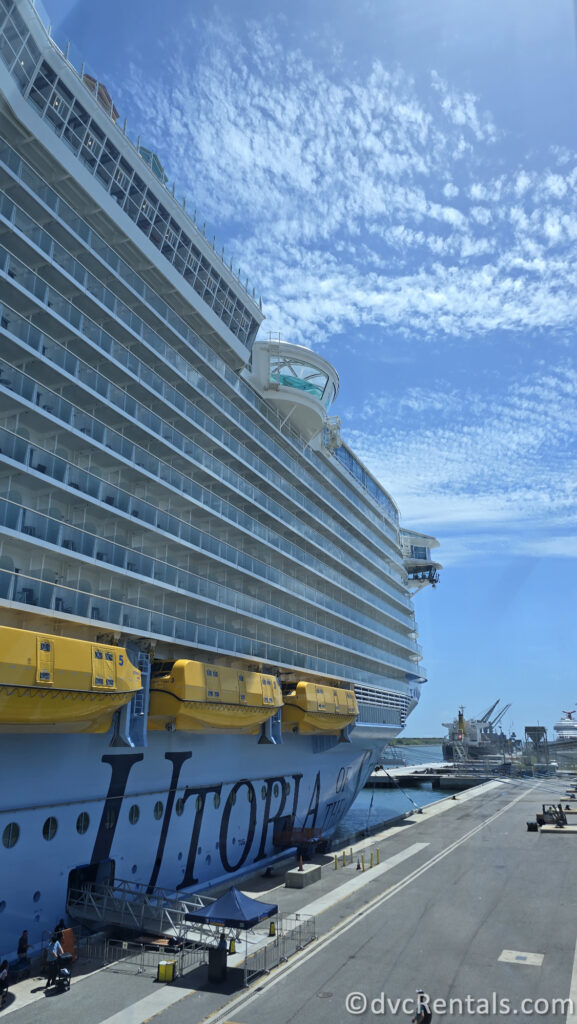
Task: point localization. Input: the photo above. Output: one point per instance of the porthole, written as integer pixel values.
(36, 896)
(199, 802)
(158, 809)
(82, 823)
(263, 792)
(49, 828)
(134, 869)
(179, 806)
(134, 814)
(250, 794)
(232, 798)
(275, 789)
(216, 800)
(11, 835)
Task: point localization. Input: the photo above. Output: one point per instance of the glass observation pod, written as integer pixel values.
(300, 383)
(421, 569)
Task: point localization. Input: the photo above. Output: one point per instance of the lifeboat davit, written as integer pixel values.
(56, 684)
(195, 697)
(313, 707)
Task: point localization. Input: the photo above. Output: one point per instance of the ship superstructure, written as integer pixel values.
(476, 738)
(209, 593)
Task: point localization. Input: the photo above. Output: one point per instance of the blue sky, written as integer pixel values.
(398, 180)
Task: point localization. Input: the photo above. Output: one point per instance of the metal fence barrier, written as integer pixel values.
(293, 933)
(138, 958)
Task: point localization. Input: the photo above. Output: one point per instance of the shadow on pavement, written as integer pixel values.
(198, 979)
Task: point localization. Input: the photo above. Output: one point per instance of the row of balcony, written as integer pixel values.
(68, 117)
(140, 463)
(142, 620)
(104, 496)
(84, 545)
(33, 185)
(151, 382)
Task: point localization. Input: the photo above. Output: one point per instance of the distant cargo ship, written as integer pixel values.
(470, 739)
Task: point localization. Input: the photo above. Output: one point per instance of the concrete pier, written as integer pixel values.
(461, 901)
(438, 775)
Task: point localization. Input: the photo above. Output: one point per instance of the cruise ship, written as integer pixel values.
(207, 634)
(566, 728)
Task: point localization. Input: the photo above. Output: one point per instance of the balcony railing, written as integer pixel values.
(61, 472)
(33, 184)
(112, 614)
(177, 580)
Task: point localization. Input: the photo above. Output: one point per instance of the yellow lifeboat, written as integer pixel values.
(313, 707)
(56, 684)
(194, 697)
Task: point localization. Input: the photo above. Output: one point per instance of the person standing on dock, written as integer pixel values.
(23, 947)
(423, 1014)
(55, 951)
(3, 983)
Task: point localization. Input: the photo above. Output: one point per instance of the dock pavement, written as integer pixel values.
(466, 904)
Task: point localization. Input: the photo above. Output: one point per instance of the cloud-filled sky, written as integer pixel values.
(398, 181)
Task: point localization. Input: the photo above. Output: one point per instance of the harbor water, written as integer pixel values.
(375, 806)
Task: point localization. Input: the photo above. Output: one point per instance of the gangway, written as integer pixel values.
(133, 906)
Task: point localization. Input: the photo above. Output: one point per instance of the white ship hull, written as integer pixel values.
(207, 809)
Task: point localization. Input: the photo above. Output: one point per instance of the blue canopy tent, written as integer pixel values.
(234, 909)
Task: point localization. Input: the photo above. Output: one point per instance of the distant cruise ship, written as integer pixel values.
(566, 728)
(207, 634)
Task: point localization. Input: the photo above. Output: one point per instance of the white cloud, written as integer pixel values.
(299, 167)
(303, 161)
(476, 467)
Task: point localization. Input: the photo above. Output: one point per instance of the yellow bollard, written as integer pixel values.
(272, 930)
(378, 855)
(371, 864)
(336, 862)
(351, 855)
(362, 861)
(344, 859)
(232, 947)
